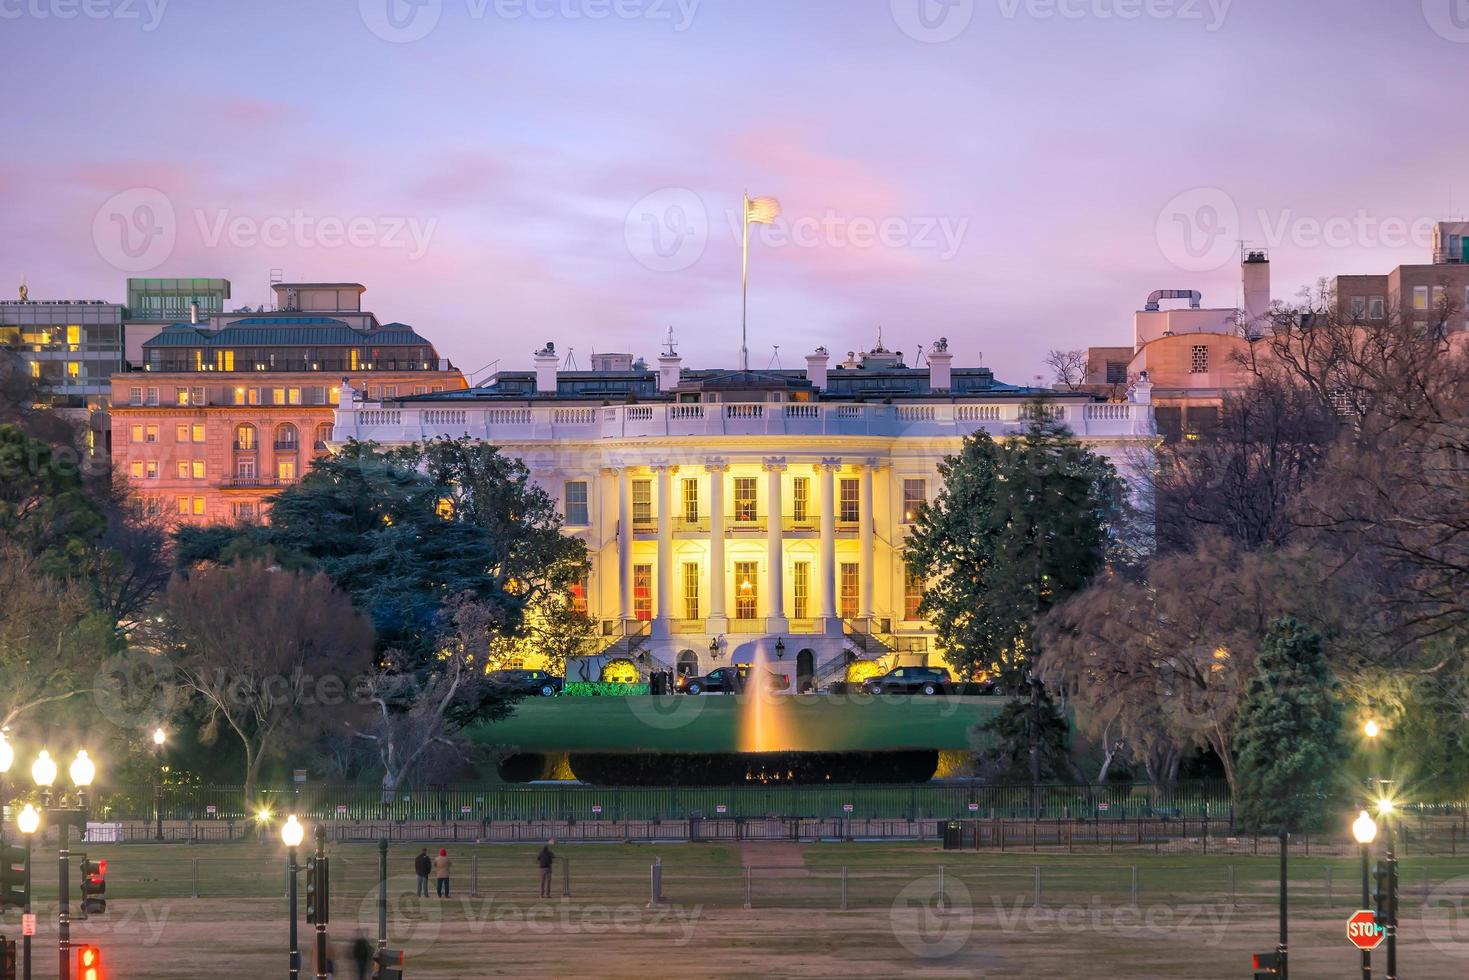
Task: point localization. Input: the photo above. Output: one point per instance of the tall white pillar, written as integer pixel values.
(826, 585)
(775, 537)
(623, 476)
(867, 561)
(666, 602)
(717, 622)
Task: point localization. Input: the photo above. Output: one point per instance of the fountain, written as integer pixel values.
(764, 715)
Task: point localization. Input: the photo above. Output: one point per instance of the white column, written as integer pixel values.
(665, 550)
(867, 561)
(624, 541)
(775, 537)
(826, 580)
(718, 622)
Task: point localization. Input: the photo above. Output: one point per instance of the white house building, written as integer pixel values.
(729, 511)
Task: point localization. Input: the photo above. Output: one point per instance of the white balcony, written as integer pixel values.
(408, 423)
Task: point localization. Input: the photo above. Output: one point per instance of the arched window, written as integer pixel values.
(323, 436)
(245, 436)
(688, 662)
(286, 437)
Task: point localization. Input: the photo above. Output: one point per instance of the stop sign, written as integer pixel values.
(1363, 931)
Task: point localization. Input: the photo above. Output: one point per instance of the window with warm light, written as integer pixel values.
(851, 584)
(915, 496)
(801, 589)
(690, 590)
(642, 501)
(642, 592)
(801, 499)
(691, 502)
(850, 501)
(913, 584)
(196, 469)
(745, 490)
(285, 470)
(747, 589)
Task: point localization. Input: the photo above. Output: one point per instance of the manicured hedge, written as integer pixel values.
(601, 689)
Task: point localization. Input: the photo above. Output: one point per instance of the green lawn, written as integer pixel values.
(707, 723)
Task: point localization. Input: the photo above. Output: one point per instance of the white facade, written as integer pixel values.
(719, 527)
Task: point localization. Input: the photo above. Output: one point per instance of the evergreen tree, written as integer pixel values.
(1288, 742)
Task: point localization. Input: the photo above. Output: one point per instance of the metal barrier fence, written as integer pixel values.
(946, 800)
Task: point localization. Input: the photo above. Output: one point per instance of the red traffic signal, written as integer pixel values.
(89, 963)
(94, 886)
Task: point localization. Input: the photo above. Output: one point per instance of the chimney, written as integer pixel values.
(668, 371)
(816, 368)
(1255, 277)
(940, 366)
(546, 363)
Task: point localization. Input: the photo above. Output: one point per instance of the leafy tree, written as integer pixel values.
(44, 504)
(1018, 727)
(1018, 527)
(272, 656)
(1431, 735)
(1288, 743)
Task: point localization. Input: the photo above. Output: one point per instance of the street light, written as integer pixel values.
(1386, 808)
(1371, 729)
(159, 737)
(43, 771)
(29, 821)
(291, 835)
(1364, 828)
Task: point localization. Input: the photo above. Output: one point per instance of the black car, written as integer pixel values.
(909, 680)
(532, 682)
(729, 680)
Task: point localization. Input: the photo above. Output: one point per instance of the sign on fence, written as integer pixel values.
(1104, 807)
(341, 809)
(211, 810)
(846, 808)
(596, 809)
(973, 807)
(721, 808)
(466, 809)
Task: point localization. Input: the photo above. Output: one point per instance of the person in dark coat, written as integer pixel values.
(545, 859)
(422, 865)
(361, 955)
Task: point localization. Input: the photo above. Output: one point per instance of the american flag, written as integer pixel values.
(762, 210)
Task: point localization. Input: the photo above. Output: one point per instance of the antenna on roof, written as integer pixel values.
(570, 364)
(775, 358)
(668, 345)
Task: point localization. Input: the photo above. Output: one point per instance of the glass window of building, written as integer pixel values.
(850, 499)
(744, 499)
(915, 496)
(642, 502)
(747, 589)
(801, 500)
(801, 590)
(851, 583)
(576, 503)
(691, 502)
(690, 590)
(912, 593)
(642, 592)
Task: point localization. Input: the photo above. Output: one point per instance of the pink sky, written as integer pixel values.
(498, 181)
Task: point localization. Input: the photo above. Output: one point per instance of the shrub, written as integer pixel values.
(603, 689)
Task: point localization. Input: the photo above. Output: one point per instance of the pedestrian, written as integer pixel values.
(545, 859)
(361, 955)
(331, 961)
(441, 873)
(421, 867)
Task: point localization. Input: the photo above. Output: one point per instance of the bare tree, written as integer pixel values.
(273, 656)
(1068, 367)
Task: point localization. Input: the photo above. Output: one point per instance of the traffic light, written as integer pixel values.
(12, 876)
(94, 886)
(89, 963)
(1266, 965)
(387, 964)
(8, 962)
(1384, 891)
(318, 890)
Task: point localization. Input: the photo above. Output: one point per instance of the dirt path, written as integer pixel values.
(772, 854)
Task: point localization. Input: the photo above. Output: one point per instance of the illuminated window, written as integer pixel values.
(744, 499)
(181, 432)
(747, 587)
(1420, 297)
(199, 506)
(245, 437)
(801, 589)
(642, 592)
(851, 584)
(183, 467)
(801, 499)
(690, 590)
(73, 338)
(691, 504)
(73, 370)
(915, 496)
(579, 596)
(254, 396)
(912, 593)
(197, 469)
(285, 470)
(293, 396)
(850, 499)
(576, 503)
(278, 396)
(183, 504)
(136, 469)
(137, 433)
(150, 469)
(224, 360)
(642, 501)
(197, 432)
(150, 434)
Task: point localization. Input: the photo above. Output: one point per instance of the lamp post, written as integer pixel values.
(1385, 810)
(321, 896)
(1364, 828)
(29, 822)
(82, 771)
(7, 759)
(159, 737)
(291, 835)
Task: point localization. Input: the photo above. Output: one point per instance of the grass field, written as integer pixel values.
(708, 723)
(1193, 917)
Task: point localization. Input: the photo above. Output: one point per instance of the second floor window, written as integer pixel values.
(915, 495)
(576, 503)
(850, 510)
(744, 499)
(691, 504)
(801, 499)
(642, 501)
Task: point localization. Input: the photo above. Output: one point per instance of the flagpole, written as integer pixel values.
(745, 290)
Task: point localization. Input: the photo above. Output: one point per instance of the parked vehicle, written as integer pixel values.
(729, 680)
(910, 680)
(528, 682)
